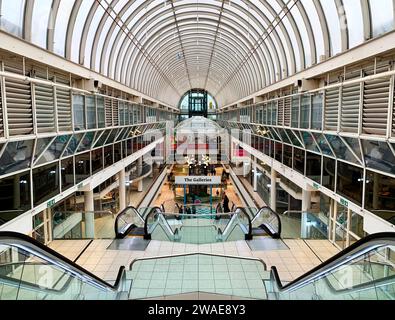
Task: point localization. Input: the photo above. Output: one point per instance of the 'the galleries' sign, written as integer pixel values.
(196, 180)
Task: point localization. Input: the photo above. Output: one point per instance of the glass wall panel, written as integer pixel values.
(380, 195)
(313, 166)
(316, 112)
(322, 143)
(79, 112)
(67, 173)
(341, 150)
(97, 160)
(329, 173)
(46, 183)
(102, 138)
(379, 156)
(350, 182)
(293, 138)
(382, 13)
(90, 111)
(295, 112)
(11, 18)
(55, 150)
(299, 157)
(356, 224)
(117, 152)
(101, 116)
(86, 142)
(82, 167)
(16, 156)
(309, 142)
(287, 156)
(278, 151)
(41, 145)
(305, 112)
(108, 156)
(14, 196)
(73, 144)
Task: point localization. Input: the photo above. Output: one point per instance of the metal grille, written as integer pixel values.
(45, 109)
(350, 108)
(19, 103)
(108, 106)
(375, 106)
(287, 111)
(331, 108)
(280, 120)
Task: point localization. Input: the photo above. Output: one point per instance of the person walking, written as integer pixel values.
(226, 203)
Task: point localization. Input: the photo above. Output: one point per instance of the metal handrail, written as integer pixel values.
(119, 217)
(354, 251)
(267, 228)
(37, 249)
(197, 253)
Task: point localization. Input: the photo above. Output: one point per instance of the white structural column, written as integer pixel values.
(306, 205)
(140, 171)
(122, 189)
(306, 200)
(255, 177)
(273, 190)
(89, 215)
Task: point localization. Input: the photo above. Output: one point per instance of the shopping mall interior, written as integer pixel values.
(197, 150)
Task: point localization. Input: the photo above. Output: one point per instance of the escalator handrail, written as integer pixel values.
(131, 226)
(249, 220)
(355, 250)
(153, 210)
(38, 249)
(273, 235)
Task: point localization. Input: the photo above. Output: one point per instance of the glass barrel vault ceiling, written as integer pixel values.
(231, 48)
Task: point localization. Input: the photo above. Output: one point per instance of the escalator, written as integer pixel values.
(238, 227)
(129, 223)
(363, 271)
(31, 271)
(266, 222)
(157, 224)
(253, 222)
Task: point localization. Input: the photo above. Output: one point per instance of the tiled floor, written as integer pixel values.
(290, 263)
(71, 249)
(198, 273)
